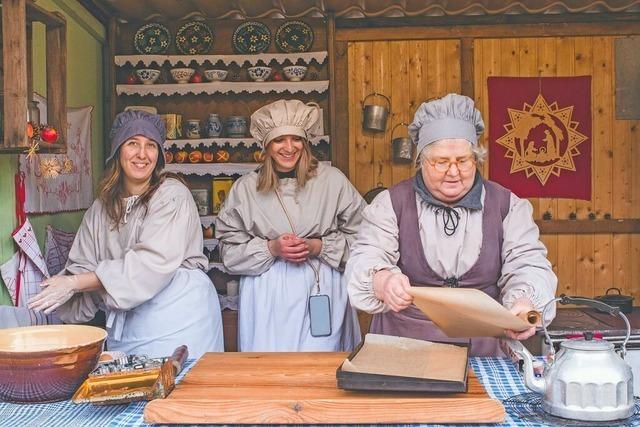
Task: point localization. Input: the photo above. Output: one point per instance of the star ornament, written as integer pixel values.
(541, 139)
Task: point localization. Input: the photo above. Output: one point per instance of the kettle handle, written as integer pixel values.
(564, 299)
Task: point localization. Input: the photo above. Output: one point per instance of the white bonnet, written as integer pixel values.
(452, 116)
(285, 117)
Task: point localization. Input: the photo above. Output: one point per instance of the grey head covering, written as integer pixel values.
(285, 117)
(135, 122)
(452, 116)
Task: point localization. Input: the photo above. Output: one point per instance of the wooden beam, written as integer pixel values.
(340, 135)
(487, 31)
(466, 67)
(14, 57)
(56, 37)
(99, 10)
(332, 89)
(500, 19)
(38, 14)
(110, 83)
(586, 226)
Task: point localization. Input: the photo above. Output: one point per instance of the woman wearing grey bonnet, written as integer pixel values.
(447, 226)
(287, 229)
(138, 254)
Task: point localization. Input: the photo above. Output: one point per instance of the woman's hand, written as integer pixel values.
(392, 288)
(521, 305)
(57, 290)
(290, 248)
(314, 246)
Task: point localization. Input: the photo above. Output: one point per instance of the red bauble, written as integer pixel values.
(196, 78)
(49, 134)
(277, 77)
(131, 79)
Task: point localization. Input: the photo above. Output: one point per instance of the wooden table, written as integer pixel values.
(236, 388)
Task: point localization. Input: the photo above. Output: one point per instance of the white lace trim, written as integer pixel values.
(240, 60)
(306, 87)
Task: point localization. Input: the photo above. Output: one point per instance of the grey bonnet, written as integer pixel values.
(449, 117)
(135, 122)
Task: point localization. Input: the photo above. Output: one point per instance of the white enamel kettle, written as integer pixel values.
(587, 379)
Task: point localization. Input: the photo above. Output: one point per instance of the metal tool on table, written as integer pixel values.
(131, 378)
(587, 379)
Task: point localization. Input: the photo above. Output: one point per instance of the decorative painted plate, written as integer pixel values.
(152, 39)
(194, 38)
(294, 36)
(251, 37)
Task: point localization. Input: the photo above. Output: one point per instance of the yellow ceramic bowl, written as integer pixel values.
(47, 363)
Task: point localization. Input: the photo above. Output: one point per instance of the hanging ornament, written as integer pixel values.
(67, 165)
(34, 146)
(48, 134)
(50, 168)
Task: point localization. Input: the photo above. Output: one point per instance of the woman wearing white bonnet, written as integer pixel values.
(286, 229)
(447, 226)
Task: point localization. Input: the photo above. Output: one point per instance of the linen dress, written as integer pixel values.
(273, 299)
(156, 295)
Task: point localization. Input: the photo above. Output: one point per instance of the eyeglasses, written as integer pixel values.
(463, 164)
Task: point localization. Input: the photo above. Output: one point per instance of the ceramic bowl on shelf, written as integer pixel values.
(148, 76)
(47, 363)
(216, 75)
(259, 73)
(295, 73)
(182, 75)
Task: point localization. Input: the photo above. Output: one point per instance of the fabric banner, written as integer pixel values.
(62, 182)
(540, 135)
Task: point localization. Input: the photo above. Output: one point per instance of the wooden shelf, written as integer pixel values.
(214, 169)
(207, 220)
(232, 142)
(587, 226)
(147, 60)
(217, 266)
(211, 88)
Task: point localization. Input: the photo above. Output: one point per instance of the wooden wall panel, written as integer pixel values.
(586, 264)
(408, 72)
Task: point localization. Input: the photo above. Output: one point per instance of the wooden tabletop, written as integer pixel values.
(236, 388)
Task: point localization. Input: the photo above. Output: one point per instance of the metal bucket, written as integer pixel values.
(374, 117)
(402, 147)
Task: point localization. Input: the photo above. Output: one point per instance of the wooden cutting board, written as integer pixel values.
(300, 388)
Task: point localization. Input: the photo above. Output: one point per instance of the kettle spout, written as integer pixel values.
(530, 380)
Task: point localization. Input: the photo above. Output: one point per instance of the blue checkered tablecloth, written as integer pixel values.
(499, 376)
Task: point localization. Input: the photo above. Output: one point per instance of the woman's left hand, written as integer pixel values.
(314, 246)
(57, 290)
(522, 305)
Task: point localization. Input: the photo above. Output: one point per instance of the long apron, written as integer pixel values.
(186, 311)
(273, 310)
(483, 275)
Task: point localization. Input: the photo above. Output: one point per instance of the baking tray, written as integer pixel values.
(375, 382)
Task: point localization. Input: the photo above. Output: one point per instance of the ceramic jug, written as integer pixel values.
(214, 126)
(236, 126)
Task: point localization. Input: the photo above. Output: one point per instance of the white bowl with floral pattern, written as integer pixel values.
(215, 75)
(148, 76)
(259, 73)
(182, 75)
(295, 73)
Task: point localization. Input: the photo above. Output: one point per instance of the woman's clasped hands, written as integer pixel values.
(294, 249)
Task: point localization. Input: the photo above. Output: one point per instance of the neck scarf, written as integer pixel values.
(450, 217)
